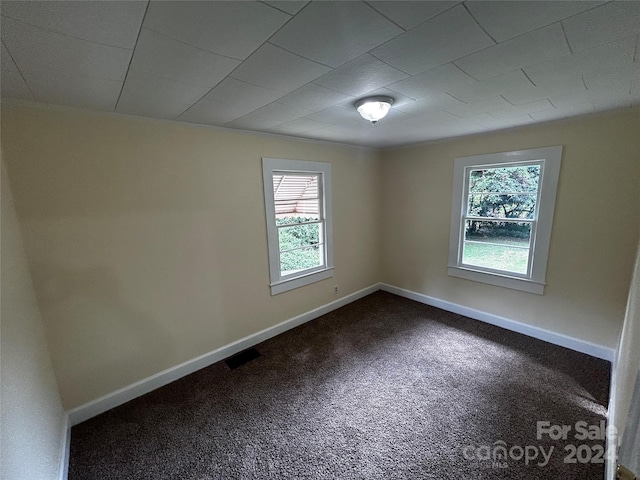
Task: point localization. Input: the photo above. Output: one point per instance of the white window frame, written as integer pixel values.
(271, 166)
(534, 280)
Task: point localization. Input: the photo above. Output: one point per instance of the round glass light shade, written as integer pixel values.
(374, 108)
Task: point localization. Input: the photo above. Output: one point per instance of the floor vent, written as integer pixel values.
(241, 358)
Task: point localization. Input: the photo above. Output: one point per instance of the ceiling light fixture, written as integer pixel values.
(374, 108)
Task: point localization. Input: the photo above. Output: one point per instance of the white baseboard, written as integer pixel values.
(566, 341)
(114, 399)
(65, 447)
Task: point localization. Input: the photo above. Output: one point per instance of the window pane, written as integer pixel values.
(502, 206)
(296, 196)
(298, 236)
(497, 245)
(522, 179)
(301, 259)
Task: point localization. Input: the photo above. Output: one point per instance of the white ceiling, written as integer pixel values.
(296, 68)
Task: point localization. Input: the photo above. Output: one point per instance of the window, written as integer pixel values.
(298, 206)
(502, 215)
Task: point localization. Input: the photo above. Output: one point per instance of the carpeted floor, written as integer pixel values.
(384, 388)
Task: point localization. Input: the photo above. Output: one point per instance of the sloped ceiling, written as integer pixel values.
(296, 68)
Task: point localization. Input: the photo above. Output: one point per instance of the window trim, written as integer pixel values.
(279, 283)
(534, 280)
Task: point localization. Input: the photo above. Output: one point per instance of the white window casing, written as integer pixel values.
(533, 280)
(321, 171)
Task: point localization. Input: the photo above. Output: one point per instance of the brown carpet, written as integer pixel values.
(384, 388)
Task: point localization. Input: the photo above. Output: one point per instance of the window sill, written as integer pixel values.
(300, 281)
(515, 283)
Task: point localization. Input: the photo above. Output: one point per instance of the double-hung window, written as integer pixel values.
(502, 215)
(298, 209)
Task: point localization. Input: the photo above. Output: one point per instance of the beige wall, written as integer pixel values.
(32, 421)
(147, 240)
(594, 235)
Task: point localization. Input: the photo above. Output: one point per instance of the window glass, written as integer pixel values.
(497, 197)
(299, 221)
(497, 245)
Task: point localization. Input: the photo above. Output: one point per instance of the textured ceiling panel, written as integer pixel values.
(41, 53)
(398, 99)
(145, 93)
(274, 68)
(297, 68)
(529, 49)
(288, 6)
(430, 105)
(474, 108)
(563, 112)
(505, 20)
(440, 40)
(604, 24)
(109, 23)
(282, 112)
(236, 93)
(610, 57)
(213, 112)
(314, 97)
(76, 91)
(570, 99)
(526, 108)
(166, 57)
(361, 75)
(548, 89)
(254, 122)
(301, 125)
(332, 33)
(436, 80)
(490, 87)
(333, 115)
(409, 14)
(12, 85)
(234, 29)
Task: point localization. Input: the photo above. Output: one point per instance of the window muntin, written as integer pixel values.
(502, 215)
(298, 209)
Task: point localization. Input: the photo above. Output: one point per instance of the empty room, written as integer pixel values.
(320, 240)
